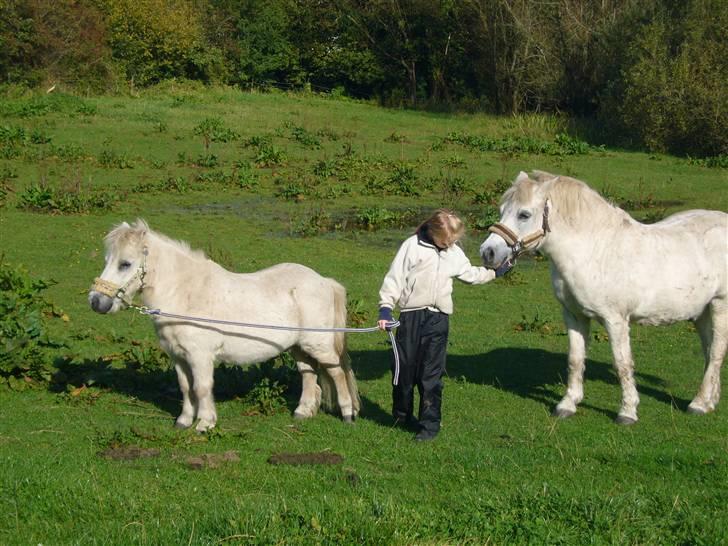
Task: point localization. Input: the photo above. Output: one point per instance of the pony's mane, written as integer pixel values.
(135, 233)
(575, 202)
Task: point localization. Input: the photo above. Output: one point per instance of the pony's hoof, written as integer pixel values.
(348, 419)
(696, 410)
(562, 413)
(300, 416)
(182, 425)
(203, 427)
(624, 420)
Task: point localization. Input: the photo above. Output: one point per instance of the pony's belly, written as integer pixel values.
(242, 347)
(248, 354)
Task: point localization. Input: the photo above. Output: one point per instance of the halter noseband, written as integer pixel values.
(530, 241)
(113, 290)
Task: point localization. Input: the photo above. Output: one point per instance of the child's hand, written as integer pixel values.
(385, 318)
(503, 268)
(384, 324)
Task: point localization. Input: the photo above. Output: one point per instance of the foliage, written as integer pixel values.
(562, 144)
(266, 397)
(675, 93)
(24, 339)
(53, 199)
(153, 40)
(53, 41)
(213, 130)
(651, 73)
(146, 357)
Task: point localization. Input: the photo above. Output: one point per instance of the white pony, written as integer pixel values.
(606, 265)
(177, 280)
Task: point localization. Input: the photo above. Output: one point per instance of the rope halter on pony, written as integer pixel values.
(113, 290)
(529, 242)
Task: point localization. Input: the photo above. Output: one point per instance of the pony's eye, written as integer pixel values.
(524, 215)
(124, 265)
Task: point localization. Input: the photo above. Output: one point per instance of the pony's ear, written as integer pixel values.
(543, 176)
(521, 177)
(141, 226)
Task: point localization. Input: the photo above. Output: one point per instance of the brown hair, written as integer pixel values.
(444, 228)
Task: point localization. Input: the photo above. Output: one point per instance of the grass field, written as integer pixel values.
(91, 457)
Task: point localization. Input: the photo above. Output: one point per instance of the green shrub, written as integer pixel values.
(213, 130)
(154, 40)
(50, 199)
(24, 314)
(266, 398)
(675, 92)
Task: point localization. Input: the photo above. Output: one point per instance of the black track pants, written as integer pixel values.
(422, 346)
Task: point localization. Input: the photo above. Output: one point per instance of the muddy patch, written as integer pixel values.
(128, 453)
(212, 460)
(322, 457)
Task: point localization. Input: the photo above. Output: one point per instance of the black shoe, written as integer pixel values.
(425, 435)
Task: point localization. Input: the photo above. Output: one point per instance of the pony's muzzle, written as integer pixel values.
(100, 303)
(494, 252)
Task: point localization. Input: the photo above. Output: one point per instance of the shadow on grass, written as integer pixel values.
(160, 388)
(534, 374)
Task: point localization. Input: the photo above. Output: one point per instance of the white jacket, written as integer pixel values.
(421, 276)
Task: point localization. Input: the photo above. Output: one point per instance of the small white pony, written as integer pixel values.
(172, 277)
(606, 265)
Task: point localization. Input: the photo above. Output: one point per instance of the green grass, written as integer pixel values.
(502, 471)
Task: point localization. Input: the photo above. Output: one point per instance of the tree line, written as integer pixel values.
(651, 73)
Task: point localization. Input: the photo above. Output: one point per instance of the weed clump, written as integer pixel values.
(25, 344)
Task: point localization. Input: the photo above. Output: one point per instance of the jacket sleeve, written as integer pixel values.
(394, 280)
(469, 273)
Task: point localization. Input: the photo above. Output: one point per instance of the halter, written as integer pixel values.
(529, 242)
(113, 290)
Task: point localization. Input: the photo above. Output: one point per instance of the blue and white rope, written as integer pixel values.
(390, 326)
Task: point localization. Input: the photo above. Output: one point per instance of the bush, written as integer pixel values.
(160, 39)
(24, 339)
(675, 94)
(55, 200)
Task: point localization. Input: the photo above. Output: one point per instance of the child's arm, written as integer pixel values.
(469, 273)
(393, 284)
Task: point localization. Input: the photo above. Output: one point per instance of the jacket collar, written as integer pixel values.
(423, 238)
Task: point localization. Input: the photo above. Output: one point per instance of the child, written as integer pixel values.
(419, 281)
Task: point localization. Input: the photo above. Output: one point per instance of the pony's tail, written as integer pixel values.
(328, 389)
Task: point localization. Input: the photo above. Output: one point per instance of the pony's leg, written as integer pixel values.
(343, 395)
(715, 345)
(310, 400)
(202, 371)
(184, 377)
(578, 327)
(618, 330)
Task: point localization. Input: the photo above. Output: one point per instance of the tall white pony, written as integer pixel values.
(172, 277)
(607, 266)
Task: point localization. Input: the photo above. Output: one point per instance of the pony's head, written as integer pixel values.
(523, 222)
(123, 274)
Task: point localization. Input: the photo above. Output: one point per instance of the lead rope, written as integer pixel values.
(393, 324)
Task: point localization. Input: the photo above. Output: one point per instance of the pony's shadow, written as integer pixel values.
(160, 387)
(533, 374)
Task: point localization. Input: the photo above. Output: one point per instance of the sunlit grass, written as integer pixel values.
(502, 470)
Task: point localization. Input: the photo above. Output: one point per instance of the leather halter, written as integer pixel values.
(529, 242)
(113, 290)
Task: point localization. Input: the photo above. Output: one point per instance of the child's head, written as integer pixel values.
(444, 228)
